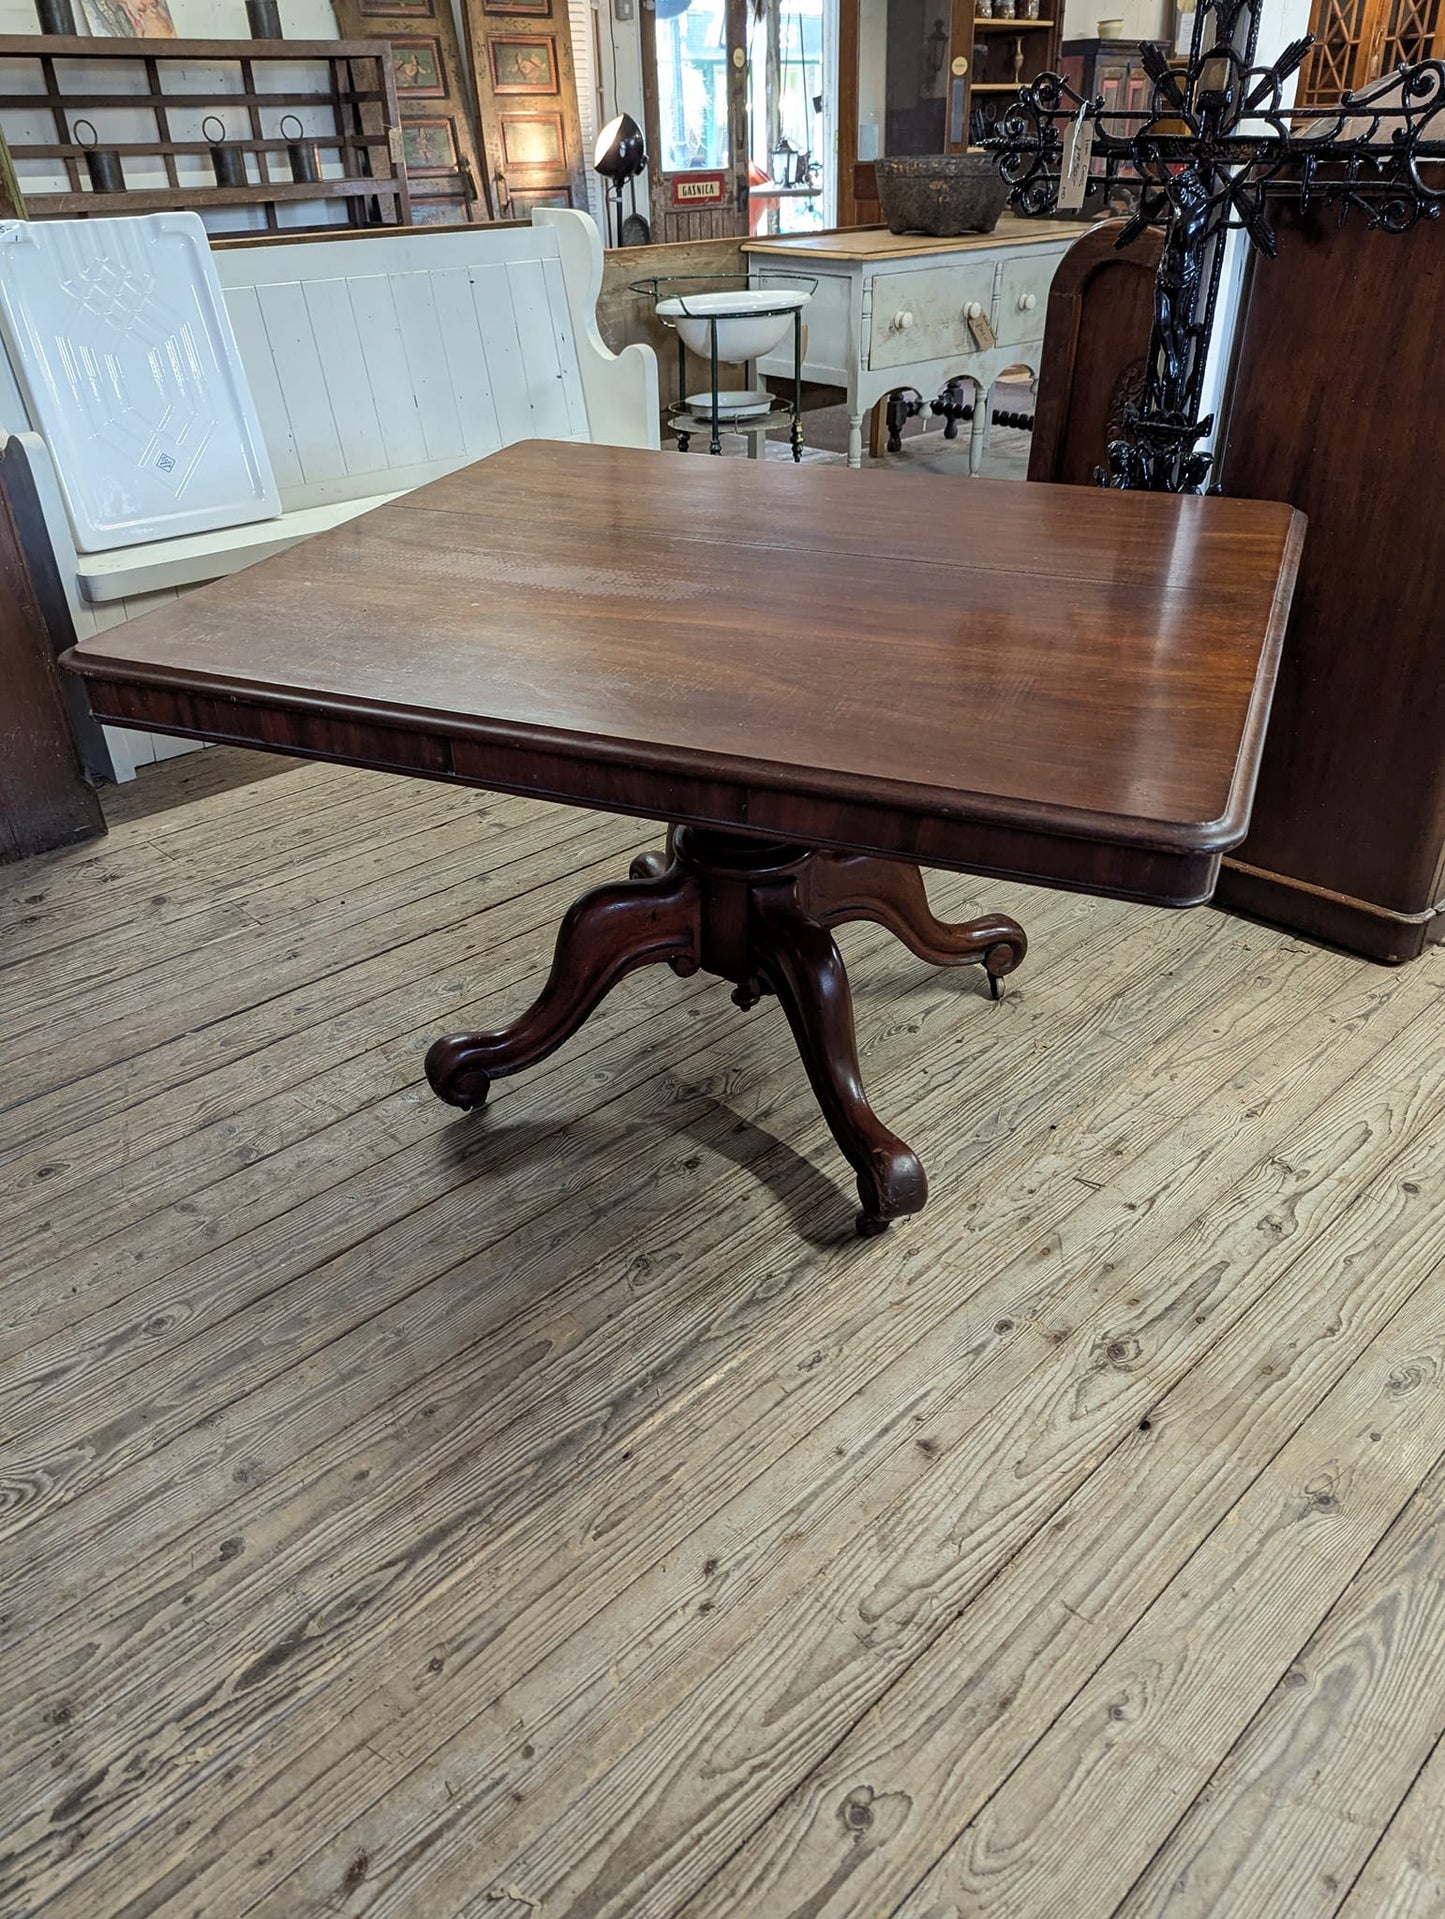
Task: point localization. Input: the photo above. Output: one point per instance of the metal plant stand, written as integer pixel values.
(1214, 147)
(682, 420)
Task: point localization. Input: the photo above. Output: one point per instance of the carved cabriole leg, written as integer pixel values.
(607, 934)
(838, 887)
(800, 961)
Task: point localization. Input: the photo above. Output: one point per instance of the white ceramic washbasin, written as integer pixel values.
(750, 320)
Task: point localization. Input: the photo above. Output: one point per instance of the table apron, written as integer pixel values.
(1033, 854)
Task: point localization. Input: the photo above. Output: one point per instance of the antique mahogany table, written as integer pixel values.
(820, 681)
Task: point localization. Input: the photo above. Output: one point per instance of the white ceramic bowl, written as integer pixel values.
(749, 322)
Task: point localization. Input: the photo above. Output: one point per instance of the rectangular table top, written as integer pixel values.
(1057, 683)
(879, 244)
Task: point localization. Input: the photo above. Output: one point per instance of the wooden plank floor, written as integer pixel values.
(557, 1511)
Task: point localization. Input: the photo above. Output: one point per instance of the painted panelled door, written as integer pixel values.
(438, 147)
(521, 52)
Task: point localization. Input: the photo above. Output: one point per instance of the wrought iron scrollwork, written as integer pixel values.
(1214, 150)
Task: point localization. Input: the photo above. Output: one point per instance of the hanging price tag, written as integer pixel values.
(984, 336)
(1078, 151)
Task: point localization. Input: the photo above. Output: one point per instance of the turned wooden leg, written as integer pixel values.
(607, 934)
(978, 433)
(839, 887)
(800, 961)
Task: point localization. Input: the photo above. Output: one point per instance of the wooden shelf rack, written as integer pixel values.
(358, 100)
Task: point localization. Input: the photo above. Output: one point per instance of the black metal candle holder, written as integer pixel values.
(101, 163)
(228, 161)
(302, 153)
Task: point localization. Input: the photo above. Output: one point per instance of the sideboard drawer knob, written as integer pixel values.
(1027, 302)
(973, 310)
(902, 321)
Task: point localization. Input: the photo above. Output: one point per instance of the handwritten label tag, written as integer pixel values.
(1074, 173)
(984, 336)
(395, 146)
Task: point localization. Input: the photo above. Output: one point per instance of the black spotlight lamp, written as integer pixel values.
(619, 156)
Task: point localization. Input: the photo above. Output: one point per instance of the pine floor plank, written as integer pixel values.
(182, 1314)
(1294, 1812)
(139, 1012)
(1141, 1739)
(205, 1105)
(418, 844)
(411, 1514)
(1405, 1877)
(110, 1104)
(202, 777)
(335, 1159)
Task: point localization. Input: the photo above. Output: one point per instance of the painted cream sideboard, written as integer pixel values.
(892, 310)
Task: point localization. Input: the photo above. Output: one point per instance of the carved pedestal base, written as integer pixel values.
(757, 914)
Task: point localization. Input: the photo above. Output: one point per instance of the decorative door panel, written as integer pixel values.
(521, 52)
(1412, 34)
(438, 147)
(1359, 40)
(1335, 64)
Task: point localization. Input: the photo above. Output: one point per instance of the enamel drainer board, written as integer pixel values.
(122, 347)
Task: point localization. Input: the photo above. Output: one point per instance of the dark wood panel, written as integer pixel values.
(45, 799)
(1348, 840)
(1096, 339)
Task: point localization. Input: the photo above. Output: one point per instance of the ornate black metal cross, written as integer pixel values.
(1210, 152)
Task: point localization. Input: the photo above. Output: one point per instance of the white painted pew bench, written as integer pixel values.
(377, 361)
